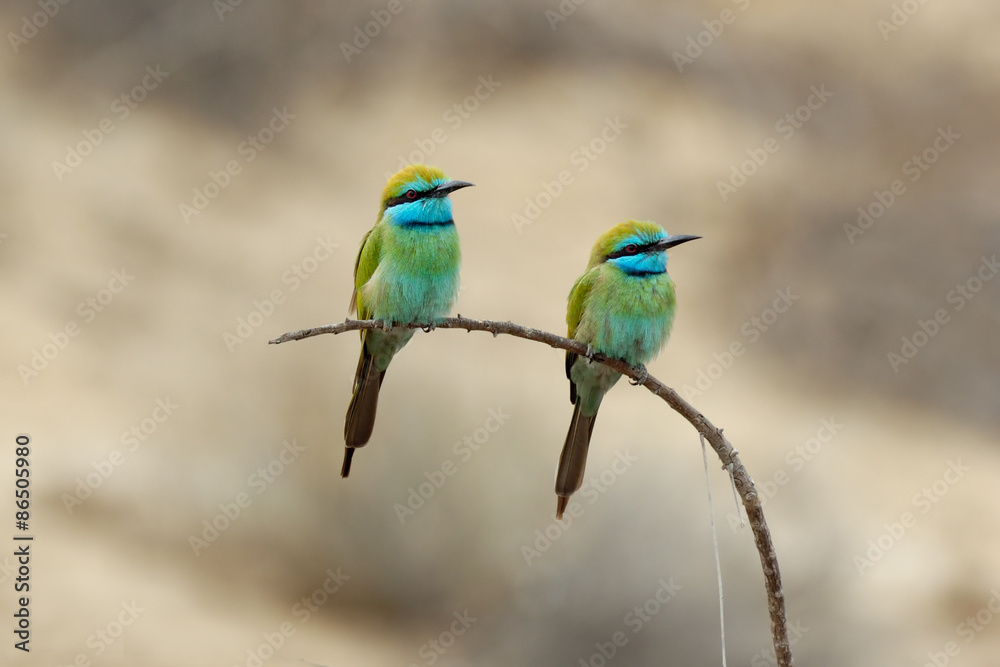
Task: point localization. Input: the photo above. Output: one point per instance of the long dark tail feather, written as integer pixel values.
(361, 412)
(573, 460)
(345, 469)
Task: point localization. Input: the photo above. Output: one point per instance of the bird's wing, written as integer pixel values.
(574, 313)
(364, 267)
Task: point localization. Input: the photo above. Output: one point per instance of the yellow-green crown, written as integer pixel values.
(631, 231)
(416, 176)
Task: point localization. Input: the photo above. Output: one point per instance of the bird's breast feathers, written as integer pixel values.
(417, 274)
(628, 317)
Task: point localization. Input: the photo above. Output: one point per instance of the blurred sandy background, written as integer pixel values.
(289, 220)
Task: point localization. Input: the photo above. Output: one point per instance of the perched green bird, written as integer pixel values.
(406, 271)
(622, 307)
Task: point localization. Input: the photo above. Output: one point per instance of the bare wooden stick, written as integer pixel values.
(726, 452)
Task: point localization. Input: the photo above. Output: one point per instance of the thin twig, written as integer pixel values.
(724, 450)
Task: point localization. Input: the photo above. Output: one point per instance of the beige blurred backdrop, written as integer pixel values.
(182, 181)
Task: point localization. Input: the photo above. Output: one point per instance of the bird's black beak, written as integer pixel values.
(447, 188)
(674, 240)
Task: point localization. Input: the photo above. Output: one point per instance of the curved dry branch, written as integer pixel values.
(726, 452)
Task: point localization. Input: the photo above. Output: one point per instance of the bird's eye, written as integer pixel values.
(411, 194)
(631, 248)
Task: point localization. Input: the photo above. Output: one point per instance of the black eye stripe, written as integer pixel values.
(639, 249)
(402, 199)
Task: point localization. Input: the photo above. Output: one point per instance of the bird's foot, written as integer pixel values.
(643, 376)
(427, 328)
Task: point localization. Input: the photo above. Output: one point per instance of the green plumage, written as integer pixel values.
(622, 307)
(407, 270)
(619, 315)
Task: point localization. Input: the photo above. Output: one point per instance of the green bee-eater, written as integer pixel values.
(406, 271)
(622, 307)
